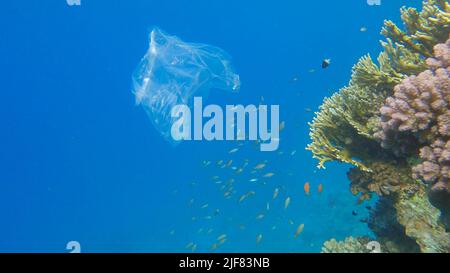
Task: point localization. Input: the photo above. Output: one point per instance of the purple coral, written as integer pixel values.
(418, 113)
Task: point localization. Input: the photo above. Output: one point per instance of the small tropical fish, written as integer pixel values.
(282, 124)
(222, 241)
(215, 177)
(275, 193)
(208, 217)
(268, 175)
(311, 70)
(260, 166)
(189, 245)
(191, 202)
(293, 152)
(320, 188)
(223, 236)
(363, 29)
(216, 212)
(229, 163)
(245, 196)
(307, 109)
(253, 180)
(294, 79)
(194, 247)
(354, 213)
(259, 238)
(200, 230)
(326, 63)
(299, 230)
(260, 216)
(232, 151)
(291, 222)
(267, 206)
(306, 188)
(274, 227)
(214, 247)
(204, 206)
(238, 171)
(220, 162)
(287, 202)
(206, 163)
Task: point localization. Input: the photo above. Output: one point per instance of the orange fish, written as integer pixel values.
(306, 188)
(320, 188)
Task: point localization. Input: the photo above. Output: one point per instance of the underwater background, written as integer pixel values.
(80, 161)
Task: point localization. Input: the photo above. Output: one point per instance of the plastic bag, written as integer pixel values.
(173, 71)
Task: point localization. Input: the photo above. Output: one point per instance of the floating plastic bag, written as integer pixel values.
(173, 71)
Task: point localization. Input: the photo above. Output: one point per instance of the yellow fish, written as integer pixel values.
(260, 166)
(275, 193)
(268, 175)
(282, 126)
(214, 247)
(287, 202)
(223, 236)
(299, 230)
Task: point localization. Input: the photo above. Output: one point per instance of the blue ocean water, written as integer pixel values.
(80, 161)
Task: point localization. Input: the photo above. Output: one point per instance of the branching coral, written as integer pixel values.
(347, 120)
(349, 245)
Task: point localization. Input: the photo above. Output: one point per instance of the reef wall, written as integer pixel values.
(392, 123)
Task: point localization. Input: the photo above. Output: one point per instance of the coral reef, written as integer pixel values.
(392, 122)
(389, 232)
(421, 221)
(343, 127)
(349, 245)
(385, 178)
(417, 116)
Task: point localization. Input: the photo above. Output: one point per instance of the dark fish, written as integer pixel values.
(326, 63)
(354, 213)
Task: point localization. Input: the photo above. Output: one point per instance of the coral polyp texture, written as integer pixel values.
(392, 123)
(419, 112)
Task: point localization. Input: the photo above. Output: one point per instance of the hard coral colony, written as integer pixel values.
(392, 122)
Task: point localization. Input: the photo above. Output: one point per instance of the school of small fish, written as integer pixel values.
(236, 174)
